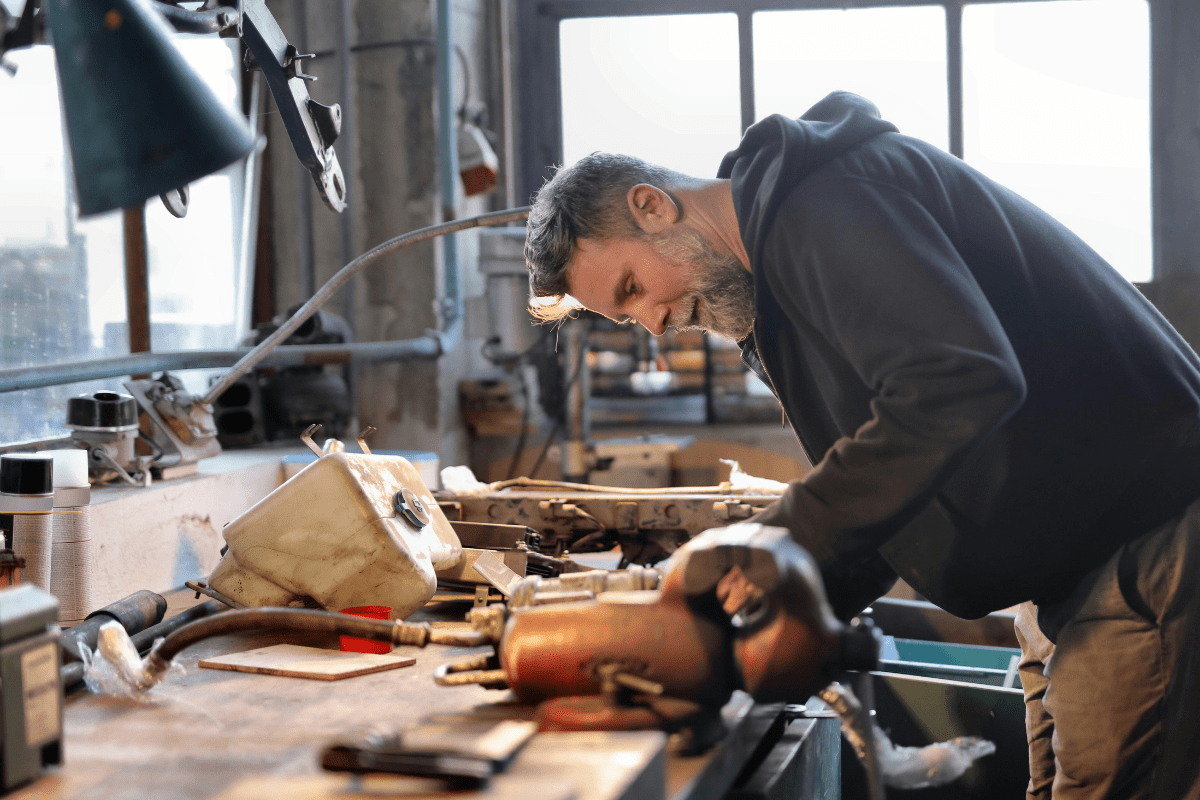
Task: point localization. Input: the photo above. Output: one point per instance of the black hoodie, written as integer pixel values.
(991, 408)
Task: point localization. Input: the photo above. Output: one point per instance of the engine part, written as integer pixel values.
(740, 607)
(333, 533)
(181, 426)
(536, 590)
(31, 696)
(106, 424)
(648, 526)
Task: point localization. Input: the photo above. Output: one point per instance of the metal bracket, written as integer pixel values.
(311, 126)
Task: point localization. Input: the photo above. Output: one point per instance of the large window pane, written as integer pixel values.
(895, 57)
(62, 293)
(662, 88)
(1057, 107)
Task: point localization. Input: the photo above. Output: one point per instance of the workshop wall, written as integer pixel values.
(388, 151)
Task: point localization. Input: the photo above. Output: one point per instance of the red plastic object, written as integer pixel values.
(353, 644)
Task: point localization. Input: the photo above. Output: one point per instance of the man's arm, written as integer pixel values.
(871, 270)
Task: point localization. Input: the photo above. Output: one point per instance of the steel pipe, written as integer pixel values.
(427, 347)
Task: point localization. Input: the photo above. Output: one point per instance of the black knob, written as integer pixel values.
(861, 641)
(26, 473)
(102, 410)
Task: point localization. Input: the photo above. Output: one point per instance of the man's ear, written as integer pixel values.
(653, 209)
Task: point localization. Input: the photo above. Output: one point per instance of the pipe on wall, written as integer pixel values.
(427, 347)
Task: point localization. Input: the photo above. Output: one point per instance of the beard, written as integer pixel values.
(722, 296)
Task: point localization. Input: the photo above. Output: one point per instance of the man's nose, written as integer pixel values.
(654, 318)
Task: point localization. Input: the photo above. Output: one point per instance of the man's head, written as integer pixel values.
(611, 232)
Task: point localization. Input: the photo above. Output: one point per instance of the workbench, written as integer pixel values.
(207, 734)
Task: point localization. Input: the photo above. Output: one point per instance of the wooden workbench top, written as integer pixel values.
(208, 734)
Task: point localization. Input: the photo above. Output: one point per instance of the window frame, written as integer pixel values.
(540, 88)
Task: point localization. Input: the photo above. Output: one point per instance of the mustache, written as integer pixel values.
(684, 317)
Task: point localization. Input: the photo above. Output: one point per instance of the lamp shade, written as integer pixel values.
(140, 120)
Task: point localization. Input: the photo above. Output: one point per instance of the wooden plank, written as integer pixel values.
(295, 661)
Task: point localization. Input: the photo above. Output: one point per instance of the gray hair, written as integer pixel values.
(586, 200)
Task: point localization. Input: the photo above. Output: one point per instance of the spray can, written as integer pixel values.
(71, 554)
(27, 502)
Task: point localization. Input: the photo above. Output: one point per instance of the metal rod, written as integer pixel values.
(304, 186)
(346, 221)
(954, 75)
(746, 67)
(448, 159)
(137, 279)
(423, 347)
(251, 359)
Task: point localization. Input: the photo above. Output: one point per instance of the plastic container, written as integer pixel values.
(353, 644)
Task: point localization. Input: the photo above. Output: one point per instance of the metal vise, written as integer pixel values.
(741, 607)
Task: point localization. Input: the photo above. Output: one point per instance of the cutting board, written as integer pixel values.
(294, 661)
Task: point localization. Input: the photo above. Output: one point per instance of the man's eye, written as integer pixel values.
(632, 290)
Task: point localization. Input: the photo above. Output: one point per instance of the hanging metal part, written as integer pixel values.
(362, 440)
(176, 201)
(311, 126)
(306, 437)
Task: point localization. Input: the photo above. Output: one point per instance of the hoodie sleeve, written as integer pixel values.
(867, 267)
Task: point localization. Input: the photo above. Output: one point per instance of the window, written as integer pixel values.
(896, 57)
(661, 88)
(1057, 108)
(1049, 97)
(62, 279)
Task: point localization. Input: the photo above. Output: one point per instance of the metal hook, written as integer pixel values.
(306, 437)
(362, 439)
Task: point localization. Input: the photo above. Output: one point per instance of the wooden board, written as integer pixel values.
(294, 661)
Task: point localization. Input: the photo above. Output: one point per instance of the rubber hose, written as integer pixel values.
(296, 619)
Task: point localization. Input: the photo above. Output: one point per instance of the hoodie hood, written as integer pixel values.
(777, 152)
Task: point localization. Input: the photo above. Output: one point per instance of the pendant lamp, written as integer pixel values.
(141, 122)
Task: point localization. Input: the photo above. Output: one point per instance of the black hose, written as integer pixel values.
(307, 620)
(72, 673)
(144, 640)
(136, 612)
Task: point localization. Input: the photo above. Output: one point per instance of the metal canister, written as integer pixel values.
(27, 500)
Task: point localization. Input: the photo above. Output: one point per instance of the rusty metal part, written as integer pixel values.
(559, 650)
(476, 670)
(583, 584)
(183, 425)
(200, 587)
(362, 439)
(648, 527)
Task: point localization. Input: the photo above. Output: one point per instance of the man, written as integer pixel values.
(995, 415)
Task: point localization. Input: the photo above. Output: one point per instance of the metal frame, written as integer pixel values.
(541, 107)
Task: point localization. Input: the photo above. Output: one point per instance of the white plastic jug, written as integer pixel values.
(348, 530)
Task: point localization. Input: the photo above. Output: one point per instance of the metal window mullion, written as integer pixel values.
(954, 74)
(746, 66)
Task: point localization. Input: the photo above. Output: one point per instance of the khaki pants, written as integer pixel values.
(1113, 702)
